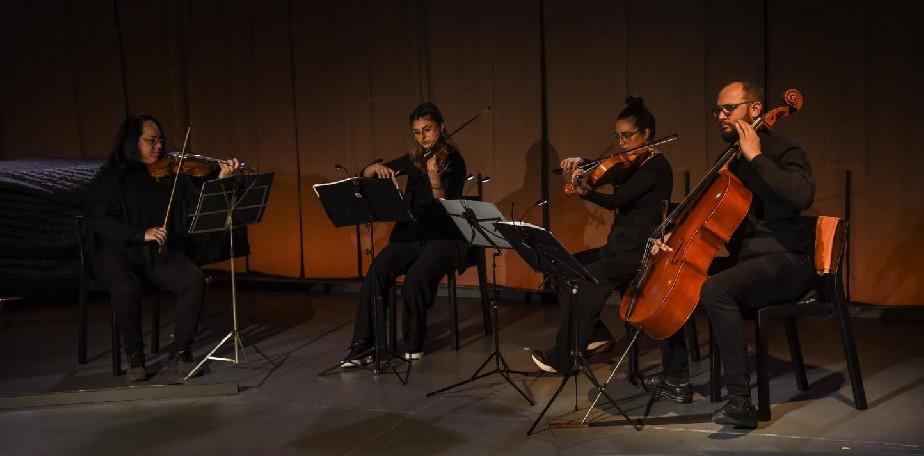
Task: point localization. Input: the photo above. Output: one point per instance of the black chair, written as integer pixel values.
(88, 284)
(826, 300)
(475, 256)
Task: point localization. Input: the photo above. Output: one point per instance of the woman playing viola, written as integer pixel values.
(638, 202)
(424, 249)
(128, 244)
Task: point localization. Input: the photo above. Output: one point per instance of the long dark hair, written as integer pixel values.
(125, 153)
(637, 112)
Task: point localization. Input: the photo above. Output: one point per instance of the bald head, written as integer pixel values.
(744, 90)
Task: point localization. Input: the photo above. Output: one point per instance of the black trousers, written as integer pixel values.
(123, 270)
(423, 264)
(613, 271)
(749, 281)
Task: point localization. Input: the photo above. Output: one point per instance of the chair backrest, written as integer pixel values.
(830, 244)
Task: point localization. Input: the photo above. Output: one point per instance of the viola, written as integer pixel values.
(613, 168)
(178, 162)
(191, 164)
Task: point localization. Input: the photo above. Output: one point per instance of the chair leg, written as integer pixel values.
(155, 325)
(453, 309)
(763, 381)
(116, 348)
(82, 322)
(391, 314)
(483, 288)
(715, 369)
(692, 338)
(795, 353)
(850, 353)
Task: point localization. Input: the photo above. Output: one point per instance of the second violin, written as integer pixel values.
(613, 168)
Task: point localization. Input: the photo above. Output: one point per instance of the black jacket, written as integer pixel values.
(639, 204)
(430, 219)
(119, 205)
(781, 181)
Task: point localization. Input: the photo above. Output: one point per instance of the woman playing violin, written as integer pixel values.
(425, 249)
(129, 243)
(639, 203)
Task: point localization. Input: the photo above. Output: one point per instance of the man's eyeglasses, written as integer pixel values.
(624, 136)
(727, 109)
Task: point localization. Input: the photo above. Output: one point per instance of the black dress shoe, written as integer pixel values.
(670, 388)
(183, 362)
(738, 412)
(360, 354)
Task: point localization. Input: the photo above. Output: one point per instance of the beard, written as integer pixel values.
(730, 136)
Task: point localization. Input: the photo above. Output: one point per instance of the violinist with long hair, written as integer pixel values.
(128, 243)
(638, 204)
(424, 249)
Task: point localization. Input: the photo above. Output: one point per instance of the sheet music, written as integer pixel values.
(316, 186)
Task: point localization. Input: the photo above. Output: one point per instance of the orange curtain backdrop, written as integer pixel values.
(295, 87)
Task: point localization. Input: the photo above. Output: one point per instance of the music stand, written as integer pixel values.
(475, 219)
(224, 204)
(358, 201)
(545, 255)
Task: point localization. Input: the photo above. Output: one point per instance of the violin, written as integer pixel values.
(178, 162)
(613, 168)
(192, 164)
(442, 149)
(441, 152)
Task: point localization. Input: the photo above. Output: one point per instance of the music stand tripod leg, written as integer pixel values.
(575, 365)
(378, 350)
(496, 355)
(232, 203)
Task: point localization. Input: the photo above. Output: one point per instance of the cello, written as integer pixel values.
(667, 287)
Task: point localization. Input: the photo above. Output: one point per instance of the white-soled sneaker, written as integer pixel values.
(413, 356)
(542, 363)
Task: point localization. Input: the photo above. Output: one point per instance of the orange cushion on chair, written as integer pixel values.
(825, 230)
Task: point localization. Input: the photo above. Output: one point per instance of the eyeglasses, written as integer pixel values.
(624, 136)
(727, 109)
(153, 141)
(424, 131)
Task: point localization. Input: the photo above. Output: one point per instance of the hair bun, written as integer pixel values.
(633, 101)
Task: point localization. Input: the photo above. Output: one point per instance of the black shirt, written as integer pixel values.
(121, 204)
(639, 204)
(430, 219)
(780, 179)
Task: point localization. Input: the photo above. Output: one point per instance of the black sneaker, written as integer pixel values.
(670, 388)
(136, 371)
(183, 362)
(738, 412)
(360, 355)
